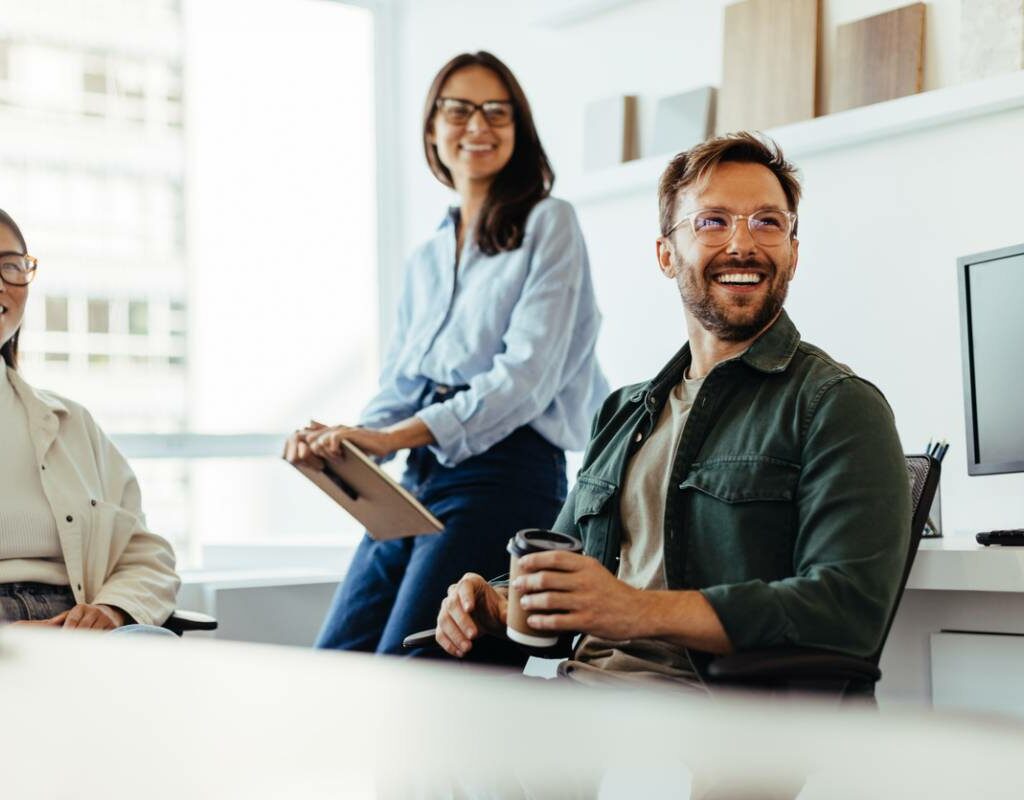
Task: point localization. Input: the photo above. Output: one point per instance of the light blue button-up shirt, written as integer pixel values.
(518, 327)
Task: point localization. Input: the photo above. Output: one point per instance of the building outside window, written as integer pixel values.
(202, 211)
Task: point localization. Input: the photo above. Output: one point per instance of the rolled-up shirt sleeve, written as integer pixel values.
(529, 371)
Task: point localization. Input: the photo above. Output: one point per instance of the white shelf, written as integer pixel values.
(565, 14)
(957, 563)
(831, 132)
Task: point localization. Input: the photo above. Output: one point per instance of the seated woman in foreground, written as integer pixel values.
(74, 548)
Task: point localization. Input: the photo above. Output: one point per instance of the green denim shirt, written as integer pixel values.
(788, 505)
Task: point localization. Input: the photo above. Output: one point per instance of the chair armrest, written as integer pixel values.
(181, 621)
(425, 640)
(420, 639)
(785, 664)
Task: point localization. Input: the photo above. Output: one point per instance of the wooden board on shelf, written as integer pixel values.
(878, 58)
(769, 66)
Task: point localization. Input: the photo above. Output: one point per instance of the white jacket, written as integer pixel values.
(110, 555)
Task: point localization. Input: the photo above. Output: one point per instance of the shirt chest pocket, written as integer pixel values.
(592, 514)
(741, 517)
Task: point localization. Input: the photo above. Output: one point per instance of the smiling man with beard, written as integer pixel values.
(753, 494)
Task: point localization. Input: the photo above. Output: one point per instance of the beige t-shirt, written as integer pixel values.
(30, 548)
(642, 559)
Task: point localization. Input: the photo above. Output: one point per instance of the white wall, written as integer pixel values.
(881, 225)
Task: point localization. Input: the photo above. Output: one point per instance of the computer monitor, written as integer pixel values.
(992, 336)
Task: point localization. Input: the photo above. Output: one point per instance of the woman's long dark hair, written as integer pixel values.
(524, 181)
(9, 351)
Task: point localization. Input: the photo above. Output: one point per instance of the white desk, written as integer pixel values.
(958, 585)
(88, 716)
(957, 563)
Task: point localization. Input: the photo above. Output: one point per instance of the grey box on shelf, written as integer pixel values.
(683, 120)
(933, 525)
(610, 132)
(991, 38)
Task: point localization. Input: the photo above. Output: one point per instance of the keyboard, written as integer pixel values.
(1009, 537)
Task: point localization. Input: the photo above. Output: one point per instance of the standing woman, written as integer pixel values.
(491, 373)
(74, 548)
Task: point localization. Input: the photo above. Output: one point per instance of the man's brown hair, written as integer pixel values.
(694, 166)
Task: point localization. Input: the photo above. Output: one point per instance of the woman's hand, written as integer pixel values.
(327, 442)
(84, 616)
(297, 450)
(411, 432)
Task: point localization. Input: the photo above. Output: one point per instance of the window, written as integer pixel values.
(167, 312)
(138, 317)
(94, 77)
(99, 316)
(56, 313)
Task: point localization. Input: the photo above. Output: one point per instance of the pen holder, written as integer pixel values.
(933, 525)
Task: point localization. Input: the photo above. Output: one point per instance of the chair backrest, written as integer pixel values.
(923, 473)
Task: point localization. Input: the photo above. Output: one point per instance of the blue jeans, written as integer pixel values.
(33, 601)
(395, 588)
(37, 601)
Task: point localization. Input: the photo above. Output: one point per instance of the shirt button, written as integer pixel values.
(639, 436)
(92, 502)
(43, 466)
(69, 518)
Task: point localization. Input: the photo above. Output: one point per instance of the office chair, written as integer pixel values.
(182, 621)
(800, 669)
(805, 669)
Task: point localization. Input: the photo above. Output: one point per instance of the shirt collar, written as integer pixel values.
(451, 218)
(770, 353)
(773, 350)
(34, 400)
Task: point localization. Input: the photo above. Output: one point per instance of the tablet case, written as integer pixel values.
(369, 494)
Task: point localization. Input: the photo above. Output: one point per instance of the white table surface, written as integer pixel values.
(93, 716)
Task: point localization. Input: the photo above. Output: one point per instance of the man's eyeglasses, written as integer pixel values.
(714, 226)
(17, 269)
(456, 111)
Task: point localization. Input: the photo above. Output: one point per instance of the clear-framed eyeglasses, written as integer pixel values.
(17, 269)
(716, 226)
(456, 111)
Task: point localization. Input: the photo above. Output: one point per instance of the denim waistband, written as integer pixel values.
(33, 587)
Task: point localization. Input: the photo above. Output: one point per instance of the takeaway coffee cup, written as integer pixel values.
(532, 540)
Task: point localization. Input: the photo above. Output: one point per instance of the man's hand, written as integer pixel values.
(594, 601)
(83, 616)
(472, 606)
(588, 597)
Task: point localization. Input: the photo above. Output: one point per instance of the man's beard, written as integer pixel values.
(714, 316)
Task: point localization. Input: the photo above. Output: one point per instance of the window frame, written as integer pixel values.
(189, 445)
